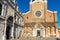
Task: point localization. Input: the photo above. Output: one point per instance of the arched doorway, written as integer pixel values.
(39, 30)
(36, 30)
(9, 26)
(0, 9)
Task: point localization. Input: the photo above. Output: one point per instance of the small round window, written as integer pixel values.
(38, 13)
(50, 16)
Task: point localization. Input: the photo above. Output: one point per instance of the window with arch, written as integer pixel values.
(0, 9)
(5, 9)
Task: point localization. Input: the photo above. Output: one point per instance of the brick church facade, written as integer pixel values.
(39, 21)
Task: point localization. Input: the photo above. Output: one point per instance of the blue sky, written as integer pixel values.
(53, 5)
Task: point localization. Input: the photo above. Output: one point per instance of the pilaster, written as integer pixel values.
(47, 31)
(4, 34)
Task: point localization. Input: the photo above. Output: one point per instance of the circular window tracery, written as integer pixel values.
(38, 13)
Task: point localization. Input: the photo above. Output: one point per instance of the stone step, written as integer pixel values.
(35, 38)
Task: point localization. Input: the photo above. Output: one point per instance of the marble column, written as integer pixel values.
(34, 32)
(52, 31)
(12, 28)
(43, 32)
(12, 31)
(57, 33)
(4, 37)
(48, 32)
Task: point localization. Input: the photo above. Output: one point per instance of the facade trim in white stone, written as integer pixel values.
(50, 11)
(26, 13)
(38, 1)
(55, 11)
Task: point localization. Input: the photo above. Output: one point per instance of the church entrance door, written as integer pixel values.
(8, 32)
(9, 27)
(38, 32)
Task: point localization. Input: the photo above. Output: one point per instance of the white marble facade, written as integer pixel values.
(10, 25)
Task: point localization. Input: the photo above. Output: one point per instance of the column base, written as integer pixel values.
(4, 37)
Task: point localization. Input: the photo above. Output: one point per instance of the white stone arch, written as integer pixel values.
(39, 24)
(41, 29)
(10, 26)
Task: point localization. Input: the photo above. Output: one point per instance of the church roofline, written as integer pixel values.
(47, 10)
(55, 11)
(52, 11)
(39, 1)
(26, 13)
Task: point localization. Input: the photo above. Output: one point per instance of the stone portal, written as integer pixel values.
(9, 27)
(38, 32)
